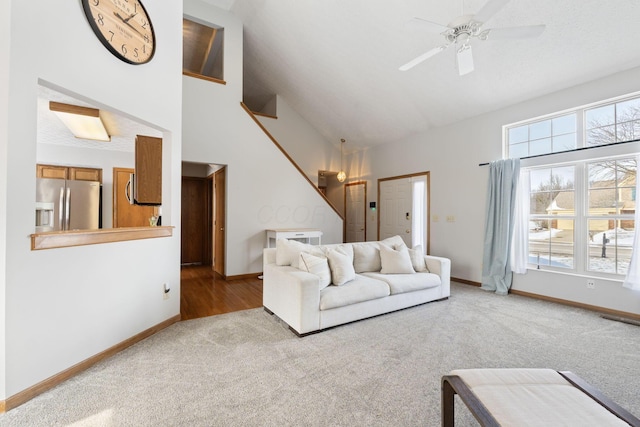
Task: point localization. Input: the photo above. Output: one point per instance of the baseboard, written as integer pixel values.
(31, 392)
(243, 276)
(466, 282)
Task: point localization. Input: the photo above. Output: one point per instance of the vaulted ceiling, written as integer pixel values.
(336, 62)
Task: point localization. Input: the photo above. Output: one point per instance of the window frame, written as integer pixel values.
(580, 158)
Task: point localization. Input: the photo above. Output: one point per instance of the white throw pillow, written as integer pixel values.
(395, 261)
(417, 259)
(316, 265)
(394, 242)
(341, 267)
(366, 257)
(288, 251)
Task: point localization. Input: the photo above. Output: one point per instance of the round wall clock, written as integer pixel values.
(123, 27)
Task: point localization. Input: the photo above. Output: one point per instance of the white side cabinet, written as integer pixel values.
(302, 234)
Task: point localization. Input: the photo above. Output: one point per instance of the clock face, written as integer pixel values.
(123, 27)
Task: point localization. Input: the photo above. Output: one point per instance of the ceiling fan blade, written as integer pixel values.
(515, 32)
(490, 8)
(465, 60)
(419, 24)
(423, 57)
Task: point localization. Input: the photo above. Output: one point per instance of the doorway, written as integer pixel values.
(404, 209)
(355, 211)
(196, 225)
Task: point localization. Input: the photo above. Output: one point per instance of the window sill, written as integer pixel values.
(65, 239)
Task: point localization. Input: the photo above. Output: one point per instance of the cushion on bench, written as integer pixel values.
(535, 397)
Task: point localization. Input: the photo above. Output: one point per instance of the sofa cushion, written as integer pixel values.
(417, 259)
(358, 290)
(401, 283)
(288, 251)
(395, 261)
(341, 265)
(316, 265)
(366, 257)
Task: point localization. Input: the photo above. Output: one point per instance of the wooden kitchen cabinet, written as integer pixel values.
(52, 171)
(148, 171)
(85, 174)
(68, 172)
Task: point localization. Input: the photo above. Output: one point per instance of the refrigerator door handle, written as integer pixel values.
(68, 212)
(61, 209)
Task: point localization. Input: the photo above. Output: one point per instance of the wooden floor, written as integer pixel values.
(205, 293)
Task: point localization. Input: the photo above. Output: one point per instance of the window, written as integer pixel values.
(551, 217)
(546, 136)
(581, 216)
(202, 50)
(610, 214)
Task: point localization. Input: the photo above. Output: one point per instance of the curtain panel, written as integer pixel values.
(499, 224)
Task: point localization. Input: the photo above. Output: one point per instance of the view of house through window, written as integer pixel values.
(581, 215)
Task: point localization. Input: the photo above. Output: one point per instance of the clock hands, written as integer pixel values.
(126, 21)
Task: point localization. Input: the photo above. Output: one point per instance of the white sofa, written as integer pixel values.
(296, 287)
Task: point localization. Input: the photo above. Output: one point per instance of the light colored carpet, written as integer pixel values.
(247, 369)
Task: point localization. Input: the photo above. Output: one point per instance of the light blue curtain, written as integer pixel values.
(501, 200)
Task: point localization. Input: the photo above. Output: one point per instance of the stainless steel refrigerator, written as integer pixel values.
(67, 205)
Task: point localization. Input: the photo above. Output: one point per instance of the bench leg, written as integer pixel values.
(448, 400)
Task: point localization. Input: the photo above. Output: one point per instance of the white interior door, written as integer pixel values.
(355, 212)
(403, 209)
(395, 209)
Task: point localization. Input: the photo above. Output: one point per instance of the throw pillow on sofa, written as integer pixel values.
(341, 265)
(394, 242)
(417, 259)
(395, 261)
(288, 251)
(366, 257)
(316, 265)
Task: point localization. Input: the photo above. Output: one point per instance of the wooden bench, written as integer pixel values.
(530, 397)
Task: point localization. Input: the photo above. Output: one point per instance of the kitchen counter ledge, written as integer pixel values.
(65, 239)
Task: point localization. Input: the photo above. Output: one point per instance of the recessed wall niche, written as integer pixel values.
(202, 50)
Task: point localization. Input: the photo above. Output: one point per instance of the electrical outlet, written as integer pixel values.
(166, 291)
(591, 284)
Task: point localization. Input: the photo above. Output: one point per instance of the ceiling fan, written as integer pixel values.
(465, 28)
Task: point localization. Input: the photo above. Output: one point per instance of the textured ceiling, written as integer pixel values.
(336, 62)
(51, 130)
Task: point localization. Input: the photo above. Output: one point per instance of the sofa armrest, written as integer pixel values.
(292, 295)
(442, 267)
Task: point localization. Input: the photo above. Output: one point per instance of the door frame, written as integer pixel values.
(219, 198)
(364, 207)
(427, 174)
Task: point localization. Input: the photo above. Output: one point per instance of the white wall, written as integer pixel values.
(264, 190)
(310, 150)
(5, 27)
(458, 187)
(65, 305)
